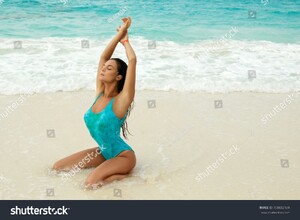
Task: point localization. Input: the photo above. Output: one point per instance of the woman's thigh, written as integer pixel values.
(83, 159)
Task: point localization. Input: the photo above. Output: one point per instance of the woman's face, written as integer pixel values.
(109, 71)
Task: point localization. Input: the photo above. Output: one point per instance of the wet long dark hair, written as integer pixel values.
(122, 69)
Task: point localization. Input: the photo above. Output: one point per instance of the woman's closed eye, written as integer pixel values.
(109, 68)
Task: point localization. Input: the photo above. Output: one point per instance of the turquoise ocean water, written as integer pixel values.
(199, 45)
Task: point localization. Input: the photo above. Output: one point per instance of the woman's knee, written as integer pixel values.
(59, 165)
(56, 166)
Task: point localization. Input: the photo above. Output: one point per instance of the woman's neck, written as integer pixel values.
(109, 93)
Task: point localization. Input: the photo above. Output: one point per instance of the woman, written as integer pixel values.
(115, 90)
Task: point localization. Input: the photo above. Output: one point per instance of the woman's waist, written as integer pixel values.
(105, 135)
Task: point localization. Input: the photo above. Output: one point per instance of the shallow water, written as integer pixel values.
(186, 45)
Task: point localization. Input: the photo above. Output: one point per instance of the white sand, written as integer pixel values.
(173, 142)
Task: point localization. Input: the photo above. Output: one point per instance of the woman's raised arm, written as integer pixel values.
(105, 56)
(128, 91)
(129, 85)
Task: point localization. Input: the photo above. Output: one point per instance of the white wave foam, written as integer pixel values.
(60, 64)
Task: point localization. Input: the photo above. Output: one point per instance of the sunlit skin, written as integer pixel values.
(107, 79)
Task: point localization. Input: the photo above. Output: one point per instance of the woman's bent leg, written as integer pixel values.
(88, 158)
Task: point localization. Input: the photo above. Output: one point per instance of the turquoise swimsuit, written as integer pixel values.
(105, 128)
